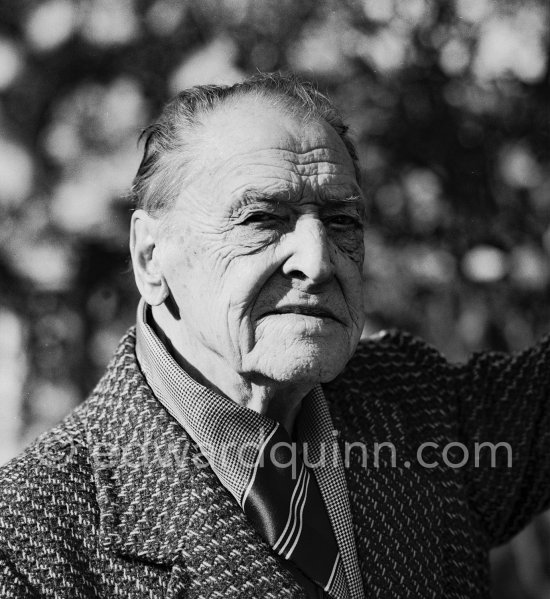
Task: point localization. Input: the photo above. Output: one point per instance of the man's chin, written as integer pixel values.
(303, 361)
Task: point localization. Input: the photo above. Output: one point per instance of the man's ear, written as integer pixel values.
(144, 251)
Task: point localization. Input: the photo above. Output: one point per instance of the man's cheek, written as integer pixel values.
(349, 245)
(353, 287)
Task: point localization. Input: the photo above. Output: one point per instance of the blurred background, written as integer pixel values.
(449, 101)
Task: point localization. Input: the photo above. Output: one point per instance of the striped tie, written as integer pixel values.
(284, 503)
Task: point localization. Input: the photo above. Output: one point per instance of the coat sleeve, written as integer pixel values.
(503, 406)
(12, 585)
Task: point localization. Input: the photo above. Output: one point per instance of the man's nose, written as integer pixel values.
(310, 256)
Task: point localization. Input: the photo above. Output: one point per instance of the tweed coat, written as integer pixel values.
(117, 501)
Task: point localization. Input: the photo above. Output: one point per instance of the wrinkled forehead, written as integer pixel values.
(254, 144)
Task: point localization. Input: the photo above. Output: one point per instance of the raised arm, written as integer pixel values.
(505, 399)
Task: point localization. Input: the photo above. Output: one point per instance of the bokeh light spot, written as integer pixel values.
(454, 57)
(513, 45)
(472, 10)
(529, 268)
(214, 63)
(423, 193)
(386, 50)
(11, 63)
(16, 173)
(108, 23)
(48, 264)
(50, 24)
(380, 11)
(13, 366)
(485, 264)
(518, 166)
(165, 16)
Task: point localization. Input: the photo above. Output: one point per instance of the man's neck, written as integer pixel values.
(278, 401)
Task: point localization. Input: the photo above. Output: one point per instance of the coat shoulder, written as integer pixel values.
(48, 492)
(45, 491)
(394, 377)
(49, 511)
(393, 358)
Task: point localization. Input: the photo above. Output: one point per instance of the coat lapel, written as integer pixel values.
(160, 502)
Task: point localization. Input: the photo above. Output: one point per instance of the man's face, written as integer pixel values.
(263, 249)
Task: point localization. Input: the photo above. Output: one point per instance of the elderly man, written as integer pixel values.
(240, 445)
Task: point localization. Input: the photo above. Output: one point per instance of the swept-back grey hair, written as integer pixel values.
(168, 142)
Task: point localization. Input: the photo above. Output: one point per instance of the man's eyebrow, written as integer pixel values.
(331, 199)
(256, 196)
(354, 200)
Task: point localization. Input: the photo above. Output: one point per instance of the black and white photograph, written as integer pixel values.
(274, 299)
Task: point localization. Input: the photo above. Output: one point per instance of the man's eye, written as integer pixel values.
(342, 222)
(261, 218)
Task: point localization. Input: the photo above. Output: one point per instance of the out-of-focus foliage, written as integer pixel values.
(448, 101)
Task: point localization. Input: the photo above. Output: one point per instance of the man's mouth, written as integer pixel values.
(315, 311)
